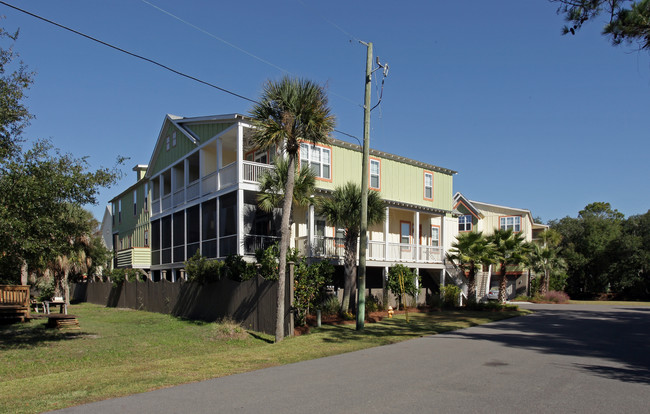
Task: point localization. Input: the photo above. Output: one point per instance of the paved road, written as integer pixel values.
(562, 359)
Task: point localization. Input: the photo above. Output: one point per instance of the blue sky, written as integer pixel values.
(529, 118)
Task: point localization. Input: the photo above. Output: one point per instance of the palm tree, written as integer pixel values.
(289, 111)
(343, 210)
(273, 182)
(470, 251)
(544, 260)
(510, 249)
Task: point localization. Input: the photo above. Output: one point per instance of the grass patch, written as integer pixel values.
(120, 352)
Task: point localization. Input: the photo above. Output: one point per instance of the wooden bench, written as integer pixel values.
(14, 303)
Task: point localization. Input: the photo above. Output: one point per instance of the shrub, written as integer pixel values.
(373, 304)
(237, 269)
(268, 261)
(450, 295)
(348, 316)
(228, 329)
(330, 306)
(119, 276)
(201, 270)
(401, 281)
(556, 297)
(309, 286)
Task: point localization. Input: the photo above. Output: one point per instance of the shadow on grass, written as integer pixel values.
(419, 325)
(30, 335)
(261, 338)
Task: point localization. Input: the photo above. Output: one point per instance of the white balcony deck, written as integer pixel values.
(211, 183)
(378, 251)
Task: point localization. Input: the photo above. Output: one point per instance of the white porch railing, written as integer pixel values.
(209, 183)
(376, 250)
(179, 197)
(155, 206)
(253, 170)
(397, 252)
(193, 190)
(430, 254)
(228, 175)
(167, 202)
(401, 252)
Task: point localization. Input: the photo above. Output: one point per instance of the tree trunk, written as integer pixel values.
(285, 230)
(471, 284)
(66, 288)
(24, 273)
(350, 267)
(544, 283)
(502, 284)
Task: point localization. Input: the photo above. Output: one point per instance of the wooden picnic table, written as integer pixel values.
(63, 307)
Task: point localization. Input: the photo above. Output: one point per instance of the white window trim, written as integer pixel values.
(308, 159)
(428, 186)
(515, 226)
(465, 224)
(378, 175)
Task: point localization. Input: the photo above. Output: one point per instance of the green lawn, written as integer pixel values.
(120, 352)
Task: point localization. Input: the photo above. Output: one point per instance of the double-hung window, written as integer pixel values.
(319, 159)
(435, 236)
(510, 222)
(428, 185)
(465, 223)
(375, 174)
(135, 202)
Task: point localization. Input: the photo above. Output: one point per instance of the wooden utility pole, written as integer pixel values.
(363, 228)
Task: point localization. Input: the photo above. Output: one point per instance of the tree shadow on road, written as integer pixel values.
(620, 335)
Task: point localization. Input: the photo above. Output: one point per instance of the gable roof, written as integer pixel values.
(460, 199)
(184, 124)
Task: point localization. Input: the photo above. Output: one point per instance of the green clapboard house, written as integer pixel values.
(199, 193)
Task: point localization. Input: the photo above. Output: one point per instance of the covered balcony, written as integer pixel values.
(405, 236)
(222, 163)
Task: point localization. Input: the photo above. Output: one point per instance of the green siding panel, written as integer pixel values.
(166, 158)
(207, 131)
(399, 181)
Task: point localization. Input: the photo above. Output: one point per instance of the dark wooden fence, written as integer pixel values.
(252, 302)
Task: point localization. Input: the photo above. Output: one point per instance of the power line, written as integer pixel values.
(129, 53)
(215, 36)
(145, 59)
(235, 46)
(336, 26)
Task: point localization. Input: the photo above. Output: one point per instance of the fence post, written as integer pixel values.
(291, 293)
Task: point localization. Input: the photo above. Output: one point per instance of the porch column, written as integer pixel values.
(386, 227)
(187, 171)
(240, 221)
(417, 236)
(442, 238)
(240, 153)
(219, 162)
(310, 230)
